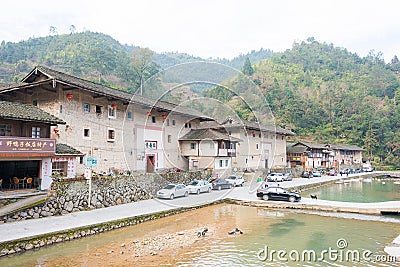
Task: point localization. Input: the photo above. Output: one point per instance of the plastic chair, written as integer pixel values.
(16, 182)
(29, 181)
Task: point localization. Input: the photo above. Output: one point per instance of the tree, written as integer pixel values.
(143, 65)
(247, 68)
(72, 29)
(53, 30)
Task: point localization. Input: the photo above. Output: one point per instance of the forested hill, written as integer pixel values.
(93, 56)
(327, 94)
(321, 92)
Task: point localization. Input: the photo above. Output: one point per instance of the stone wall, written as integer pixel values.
(71, 195)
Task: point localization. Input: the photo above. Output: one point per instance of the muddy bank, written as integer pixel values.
(149, 246)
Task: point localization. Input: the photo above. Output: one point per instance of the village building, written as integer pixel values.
(26, 147)
(209, 149)
(251, 146)
(311, 156)
(115, 130)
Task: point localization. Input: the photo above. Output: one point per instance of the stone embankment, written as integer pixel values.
(68, 195)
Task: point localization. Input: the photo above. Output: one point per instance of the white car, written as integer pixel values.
(173, 190)
(236, 180)
(199, 186)
(275, 177)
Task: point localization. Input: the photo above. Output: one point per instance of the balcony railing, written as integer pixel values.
(224, 152)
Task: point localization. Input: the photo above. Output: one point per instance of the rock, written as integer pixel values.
(69, 206)
(29, 246)
(123, 245)
(24, 214)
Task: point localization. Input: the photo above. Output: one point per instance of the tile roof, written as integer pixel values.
(96, 88)
(312, 145)
(25, 112)
(347, 147)
(290, 148)
(64, 149)
(248, 125)
(207, 134)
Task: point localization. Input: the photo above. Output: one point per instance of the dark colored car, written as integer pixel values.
(307, 174)
(332, 172)
(278, 193)
(221, 184)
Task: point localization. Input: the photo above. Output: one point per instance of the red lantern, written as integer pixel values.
(56, 131)
(70, 96)
(113, 106)
(164, 116)
(149, 113)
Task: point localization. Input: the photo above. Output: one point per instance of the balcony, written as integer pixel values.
(12, 146)
(224, 152)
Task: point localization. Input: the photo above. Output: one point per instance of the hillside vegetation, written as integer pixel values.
(327, 94)
(321, 92)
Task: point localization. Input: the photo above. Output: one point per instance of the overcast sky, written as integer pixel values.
(214, 28)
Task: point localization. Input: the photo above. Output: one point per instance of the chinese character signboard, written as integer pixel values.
(151, 144)
(15, 146)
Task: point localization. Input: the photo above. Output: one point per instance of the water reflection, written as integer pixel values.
(357, 190)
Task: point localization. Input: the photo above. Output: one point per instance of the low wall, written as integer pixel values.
(71, 195)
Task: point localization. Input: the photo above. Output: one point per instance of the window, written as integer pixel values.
(257, 146)
(129, 115)
(211, 144)
(5, 130)
(112, 112)
(254, 135)
(230, 132)
(86, 133)
(98, 109)
(60, 108)
(186, 125)
(153, 119)
(35, 102)
(111, 135)
(86, 107)
(259, 135)
(80, 160)
(167, 122)
(192, 145)
(60, 166)
(221, 163)
(173, 122)
(195, 163)
(35, 132)
(232, 146)
(169, 138)
(226, 163)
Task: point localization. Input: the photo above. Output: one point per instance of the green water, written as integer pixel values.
(379, 190)
(289, 231)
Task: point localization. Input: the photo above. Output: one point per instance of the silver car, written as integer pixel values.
(199, 186)
(173, 190)
(236, 180)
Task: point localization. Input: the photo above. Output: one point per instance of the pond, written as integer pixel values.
(301, 238)
(360, 190)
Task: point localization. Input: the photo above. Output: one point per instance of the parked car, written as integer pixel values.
(278, 193)
(221, 184)
(173, 190)
(332, 172)
(316, 174)
(199, 186)
(236, 180)
(275, 177)
(306, 174)
(287, 177)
